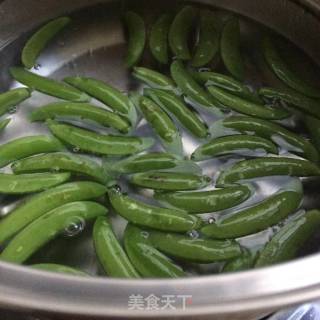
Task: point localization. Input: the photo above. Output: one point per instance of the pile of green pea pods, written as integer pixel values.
(63, 185)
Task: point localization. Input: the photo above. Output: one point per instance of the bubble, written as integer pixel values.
(74, 227)
(145, 234)
(211, 220)
(55, 169)
(193, 234)
(37, 66)
(76, 149)
(204, 70)
(12, 110)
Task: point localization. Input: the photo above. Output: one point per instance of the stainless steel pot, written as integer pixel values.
(247, 295)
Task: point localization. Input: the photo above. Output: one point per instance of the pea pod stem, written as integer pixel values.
(12, 98)
(58, 268)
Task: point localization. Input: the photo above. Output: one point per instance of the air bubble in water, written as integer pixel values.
(116, 188)
(75, 227)
(76, 149)
(211, 220)
(12, 110)
(145, 234)
(37, 66)
(193, 234)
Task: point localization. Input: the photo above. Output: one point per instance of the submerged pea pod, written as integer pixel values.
(231, 49)
(113, 258)
(180, 30)
(40, 39)
(149, 261)
(136, 38)
(92, 142)
(146, 215)
(48, 86)
(237, 144)
(35, 206)
(289, 239)
(194, 250)
(313, 127)
(283, 71)
(49, 226)
(206, 201)
(267, 166)
(84, 111)
(244, 262)
(12, 98)
(27, 146)
(176, 106)
(59, 268)
(4, 124)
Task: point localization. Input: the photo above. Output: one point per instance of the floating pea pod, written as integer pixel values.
(58, 268)
(267, 166)
(113, 258)
(313, 127)
(244, 262)
(205, 201)
(84, 111)
(27, 146)
(194, 250)
(146, 215)
(289, 239)
(149, 261)
(4, 124)
(48, 86)
(12, 98)
(48, 227)
(136, 38)
(35, 206)
(92, 142)
(237, 144)
(283, 72)
(158, 41)
(40, 39)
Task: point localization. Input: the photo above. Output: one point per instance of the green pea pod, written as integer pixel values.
(83, 111)
(48, 86)
(176, 106)
(206, 201)
(27, 146)
(247, 107)
(231, 49)
(289, 239)
(89, 141)
(194, 250)
(180, 30)
(58, 268)
(313, 127)
(113, 258)
(293, 99)
(40, 39)
(153, 78)
(256, 218)
(136, 38)
(244, 262)
(149, 261)
(268, 130)
(208, 45)
(161, 123)
(62, 162)
(12, 98)
(29, 183)
(35, 206)
(146, 215)
(4, 124)
(267, 166)
(48, 227)
(283, 72)
(158, 41)
(237, 144)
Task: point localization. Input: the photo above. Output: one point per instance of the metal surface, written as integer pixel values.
(95, 47)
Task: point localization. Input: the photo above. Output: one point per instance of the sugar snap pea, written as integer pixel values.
(176, 106)
(29, 183)
(247, 107)
(313, 127)
(158, 180)
(12, 98)
(48, 227)
(62, 162)
(244, 262)
(58, 268)
(136, 38)
(48, 86)
(231, 49)
(41, 203)
(113, 258)
(158, 41)
(4, 123)
(27, 146)
(205, 201)
(267, 166)
(40, 39)
(89, 141)
(196, 250)
(209, 37)
(283, 71)
(289, 239)
(238, 144)
(149, 261)
(84, 111)
(146, 215)
(180, 30)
